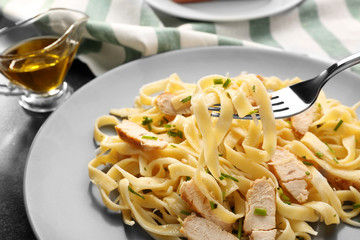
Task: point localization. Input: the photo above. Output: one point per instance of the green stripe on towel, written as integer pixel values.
(312, 25)
(168, 39)
(260, 32)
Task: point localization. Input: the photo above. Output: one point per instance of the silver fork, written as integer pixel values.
(297, 98)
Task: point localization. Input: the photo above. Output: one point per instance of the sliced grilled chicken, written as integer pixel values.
(132, 133)
(195, 228)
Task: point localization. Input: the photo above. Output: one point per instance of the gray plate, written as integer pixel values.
(62, 204)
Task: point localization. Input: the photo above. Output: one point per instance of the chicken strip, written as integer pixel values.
(192, 195)
(132, 133)
(263, 235)
(195, 228)
(302, 121)
(260, 197)
(291, 173)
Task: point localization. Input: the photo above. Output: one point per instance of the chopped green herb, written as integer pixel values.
(319, 154)
(213, 205)
(223, 195)
(220, 155)
(167, 125)
(253, 112)
(149, 137)
(285, 198)
(172, 145)
(260, 211)
(338, 125)
(165, 119)
(147, 121)
(180, 134)
(132, 191)
(223, 175)
(331, 150)
(187, 178)
(175, 133)
(172, 133)
(335, 159)
(239, 233)
(253, 88)
(226, 83)
(307, 173)
(304, 157)
(356, 205)
(218, 81)
(307, 163)
(335, 215)
(184, 100)
(185, 212)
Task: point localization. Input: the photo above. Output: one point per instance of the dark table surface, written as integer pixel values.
(18, 128)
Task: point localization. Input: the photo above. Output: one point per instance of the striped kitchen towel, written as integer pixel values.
(120, 31)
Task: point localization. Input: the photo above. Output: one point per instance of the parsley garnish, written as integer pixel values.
(185, 212)
(285, 198)
(239, 234)
(356, 205)
(175, 133)
(147, 121)
(338, 125)
(184, 100)
(260, 211)
(253, 112)
(307, 163)
(132, 191)
(149, 137)
(223, 176)
(319, 154)
(213, 205)
(165, 119)
(331, 150)
(218, 81)
(226, 83)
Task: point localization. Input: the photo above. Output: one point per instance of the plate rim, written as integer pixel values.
(230, 18)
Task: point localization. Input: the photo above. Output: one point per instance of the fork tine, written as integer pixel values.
(281, 106)
(215, 107)
(235, 116)
(292, 103)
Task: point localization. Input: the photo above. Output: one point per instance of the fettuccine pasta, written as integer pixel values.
(223, 156)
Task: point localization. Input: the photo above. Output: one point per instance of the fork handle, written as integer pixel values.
(337, 67)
